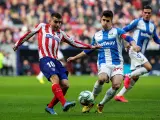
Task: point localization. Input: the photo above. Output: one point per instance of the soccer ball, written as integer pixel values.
(85, 98)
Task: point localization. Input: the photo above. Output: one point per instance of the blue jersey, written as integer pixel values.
(143, 32)
(111, 51)
(50, 66)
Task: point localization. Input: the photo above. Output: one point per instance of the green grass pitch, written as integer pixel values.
(23, 98)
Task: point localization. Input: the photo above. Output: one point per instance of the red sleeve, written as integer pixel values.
(75, 43)
(29, 34)
(127, 38)
(18, 43)
(123, 36)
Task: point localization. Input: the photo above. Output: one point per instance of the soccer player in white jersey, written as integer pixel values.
(60, 58)
(110, 60)
(144, 30)
(49, 38)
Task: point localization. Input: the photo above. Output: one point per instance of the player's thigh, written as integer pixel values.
(137, 56)
(116, 81)
(117, 76)
(48, 67)
(117, 70)
(143, 59)
(62, 72)
(103, 77)
(148, 66)
(104, 73)
(137, 60)
(135, 64)
(54, 79)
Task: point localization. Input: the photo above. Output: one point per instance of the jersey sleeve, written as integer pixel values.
(131, 26)
(93, 41)
(122, 34)
(28, 35)
(74, 43)
(155, 37)
(37, 27)
(120, 31)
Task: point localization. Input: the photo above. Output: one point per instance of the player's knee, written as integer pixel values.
(66, 86)
(101, 81)
(116, 86)
(135, 78)
(54, 79)
(149, 68)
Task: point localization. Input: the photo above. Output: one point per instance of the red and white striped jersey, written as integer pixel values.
(49, 41)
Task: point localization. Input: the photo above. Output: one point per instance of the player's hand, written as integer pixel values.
(136, 48)
(15, 48)
(70, 59)
(95, 46)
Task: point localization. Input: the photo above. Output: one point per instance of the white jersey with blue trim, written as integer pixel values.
(111, 51)
(143, 32)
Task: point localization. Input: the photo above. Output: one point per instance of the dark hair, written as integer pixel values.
(57, 15)
(147, 7)
(107, 13)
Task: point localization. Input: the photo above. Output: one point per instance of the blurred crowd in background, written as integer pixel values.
(80, 20)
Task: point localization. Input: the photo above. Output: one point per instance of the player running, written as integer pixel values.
(110, 60)
(144, 30)
(49, 38)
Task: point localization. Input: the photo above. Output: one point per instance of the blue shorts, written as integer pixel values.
(50, 66)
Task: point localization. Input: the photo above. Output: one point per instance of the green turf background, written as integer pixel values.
(24, 98)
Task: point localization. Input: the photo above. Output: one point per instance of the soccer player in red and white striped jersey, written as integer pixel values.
(49, 38)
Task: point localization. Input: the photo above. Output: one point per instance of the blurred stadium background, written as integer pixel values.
(80, 20)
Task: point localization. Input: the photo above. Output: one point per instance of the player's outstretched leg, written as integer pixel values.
(68, 105)
(50, 110)
(56, 89)
(54, 101)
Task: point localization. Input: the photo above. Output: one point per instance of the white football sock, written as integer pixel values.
(40, 75)
(139, 71)
(96, 89)
(108, 96)
(124, 90)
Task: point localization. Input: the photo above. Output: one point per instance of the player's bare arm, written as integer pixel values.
(80, 55)
(136, 48)
(131, 41)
